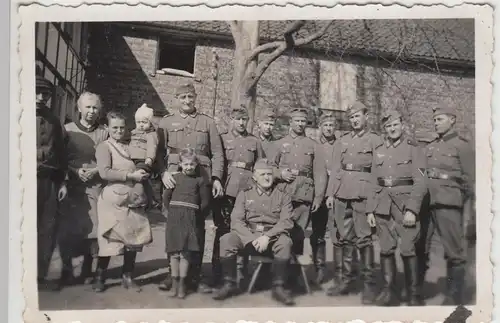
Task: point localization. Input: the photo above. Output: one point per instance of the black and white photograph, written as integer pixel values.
(258, 163)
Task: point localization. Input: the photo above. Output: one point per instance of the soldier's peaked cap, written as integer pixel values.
(43, 83)
(263, 163)
(443, 110)
(328, 116)
(185, 88)
(356, 107)
(268, 115)
(240, 112)
(298, 112)
(390, 116)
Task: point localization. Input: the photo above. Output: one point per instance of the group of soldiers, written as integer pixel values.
(355, 184)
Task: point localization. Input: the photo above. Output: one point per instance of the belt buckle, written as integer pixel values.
(349, 166)
(444, 176)
(240, 164)
(329, 172)
(295, 172)
(259, 228)
(389, 182)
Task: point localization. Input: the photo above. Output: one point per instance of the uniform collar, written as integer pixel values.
(236, 134)
(450, 135)
(324, 140)
(261, 191)
(185, 115)
(269, 138)
(294, 135)
(389, 143)
(359, 134)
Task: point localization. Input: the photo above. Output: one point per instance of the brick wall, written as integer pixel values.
(123, 72)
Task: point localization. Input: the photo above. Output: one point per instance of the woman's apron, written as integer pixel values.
(119, 226)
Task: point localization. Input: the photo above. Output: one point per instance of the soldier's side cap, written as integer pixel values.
(298, 112)
(356, 107)
(443, 110)
(326, 117)
(185, 88)
(263, 163)
(43, 83)
(390, 116)
(268, 115)
(240, 112)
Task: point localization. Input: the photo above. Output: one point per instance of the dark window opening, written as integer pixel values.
(179, 56)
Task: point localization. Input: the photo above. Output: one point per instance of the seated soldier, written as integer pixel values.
(260, 225)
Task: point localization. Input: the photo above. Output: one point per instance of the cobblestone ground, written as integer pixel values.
(150, 271)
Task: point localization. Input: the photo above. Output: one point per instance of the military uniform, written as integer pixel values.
(400, 187)
(268, 142)
(198, 131)
(451, 179)
(241, 151)
(303, 157)
(259, 212)
(351, 184)
(52, 165)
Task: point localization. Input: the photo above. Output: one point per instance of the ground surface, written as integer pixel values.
(150, 271)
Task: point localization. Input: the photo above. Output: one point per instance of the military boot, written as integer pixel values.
(229, 271)
(456, 280)
(337, 271)
(367, 260)
(166, 284)
(320, 264)
(346, 279)
(99, 282)
(279, 269)
(422, 265)
(388, 295)
(412, 284)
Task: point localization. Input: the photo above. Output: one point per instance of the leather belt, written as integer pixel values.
(394, 181)
(297, 172)
(438, 174)
(242, 165)
(356, 168)
(173, 150)
(258, 227)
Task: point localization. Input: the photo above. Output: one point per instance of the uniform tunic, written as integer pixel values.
(399, 186)
(451, 177)
(185, 203)
(198, 131)
(51, 171)
(80, 207)
(268, 145)
(119, 226)
(257, 213)
(303, 157)
(351, 184)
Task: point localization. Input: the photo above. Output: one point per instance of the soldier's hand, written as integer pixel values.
(371, 220)
(62, 193)
(83, 174)
(217, 190)
(409, 219)
(168, 180)
(330, 202)
(262, 243)
(287, 175)
(315, 206)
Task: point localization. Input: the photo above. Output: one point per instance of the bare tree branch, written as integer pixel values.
(312, 37)
(263, 48)
(290, 29)
(254, 77)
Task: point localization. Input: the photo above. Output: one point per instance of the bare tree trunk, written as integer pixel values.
(246, 40)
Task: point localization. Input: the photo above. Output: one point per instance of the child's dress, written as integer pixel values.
(185, 203)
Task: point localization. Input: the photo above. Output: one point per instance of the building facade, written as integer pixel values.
(61, 55)
(376, 63)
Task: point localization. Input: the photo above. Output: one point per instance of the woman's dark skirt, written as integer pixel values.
(180, 232)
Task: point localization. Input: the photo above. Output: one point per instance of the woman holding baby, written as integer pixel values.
(123, 224)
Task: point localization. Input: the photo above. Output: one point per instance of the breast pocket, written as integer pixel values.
(202, 137)
(249, 154)
(229, 152)
(175, 136)
(285, 152)
(308, 157)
